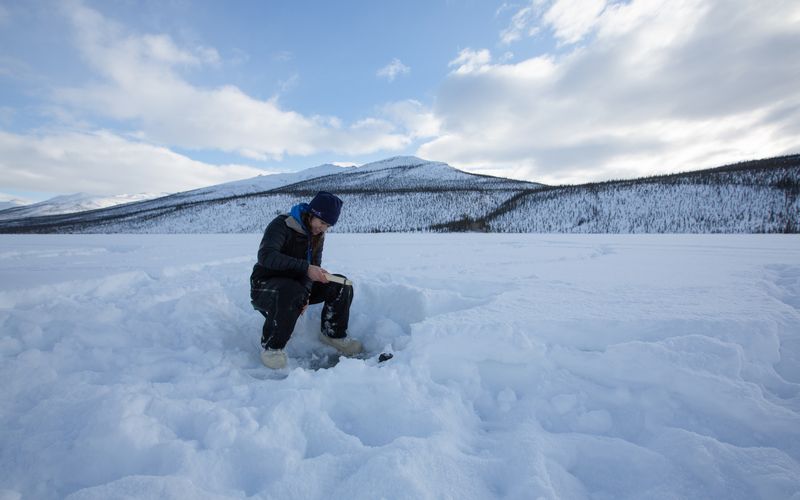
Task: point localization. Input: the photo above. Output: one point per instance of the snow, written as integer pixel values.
(362, 213)
(72, 203)
(394, 162)
(79, 202)
(525, 366)
(405, 196)
(11, 201)
(656, 208)
(261, 183)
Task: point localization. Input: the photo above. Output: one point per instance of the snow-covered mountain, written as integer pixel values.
(242, 206)
(72, 203)
(11, 203)
(259, 184)
(82, 202)
(410, 194)
(405, 173)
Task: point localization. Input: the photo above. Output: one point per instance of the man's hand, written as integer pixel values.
(316, 273)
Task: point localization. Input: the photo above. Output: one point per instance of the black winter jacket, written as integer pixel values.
(284, 252)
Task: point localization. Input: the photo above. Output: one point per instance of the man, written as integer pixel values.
(288, 277)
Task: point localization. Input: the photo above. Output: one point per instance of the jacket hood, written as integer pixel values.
(295, 219)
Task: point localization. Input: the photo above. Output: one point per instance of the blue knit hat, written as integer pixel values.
(326, 206)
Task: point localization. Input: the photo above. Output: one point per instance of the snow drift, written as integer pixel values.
(561, 367)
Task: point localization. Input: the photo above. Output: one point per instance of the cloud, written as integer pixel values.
(571, 20)
(289, 83)
(660, 86)
(100, 162)
(393, 69)
(568, 20)
(522, 24)
(416, 120)
(471, 61)
(141, 84)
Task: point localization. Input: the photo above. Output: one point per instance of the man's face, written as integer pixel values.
(318, 226)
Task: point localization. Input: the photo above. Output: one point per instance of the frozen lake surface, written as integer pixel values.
(525, 366)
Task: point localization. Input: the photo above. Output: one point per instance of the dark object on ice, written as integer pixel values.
(385, 356)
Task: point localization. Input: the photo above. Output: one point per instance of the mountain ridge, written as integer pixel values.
(72, 203)
(411, 194)
(260, 186)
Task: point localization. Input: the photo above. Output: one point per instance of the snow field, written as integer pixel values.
(526, 366)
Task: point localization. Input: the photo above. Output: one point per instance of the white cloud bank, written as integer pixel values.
(137, 81)
(417, 120)
(140, 83)
(648, 86)
(635, 88)
(103, 162)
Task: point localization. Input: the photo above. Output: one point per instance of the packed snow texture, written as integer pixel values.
(525, 366)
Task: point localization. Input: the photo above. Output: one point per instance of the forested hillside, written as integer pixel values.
(409, 194)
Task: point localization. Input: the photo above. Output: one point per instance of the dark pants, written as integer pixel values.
(280, 300)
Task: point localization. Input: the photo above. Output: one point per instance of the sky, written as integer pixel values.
(123, 96)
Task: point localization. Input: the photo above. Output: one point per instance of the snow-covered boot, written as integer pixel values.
(345, 345)
(273, 358)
